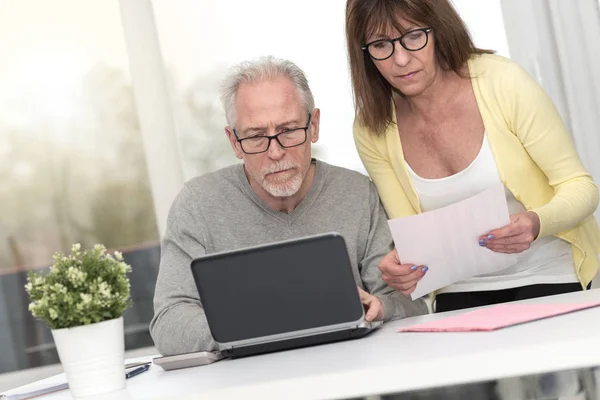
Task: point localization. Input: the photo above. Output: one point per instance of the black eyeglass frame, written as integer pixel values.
(276, 137)
(365, 47)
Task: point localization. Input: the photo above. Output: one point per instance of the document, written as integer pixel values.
(496, 317)
(35, 393)
(447, 240)
(144, 366)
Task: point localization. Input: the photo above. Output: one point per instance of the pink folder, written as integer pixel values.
(496, 317)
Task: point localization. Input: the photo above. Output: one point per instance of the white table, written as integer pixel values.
(383, 362)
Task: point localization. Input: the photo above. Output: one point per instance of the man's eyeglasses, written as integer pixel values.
(383, 49)
(286, 139)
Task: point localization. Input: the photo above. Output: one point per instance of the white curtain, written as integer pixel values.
(577, 36)
(558, 42)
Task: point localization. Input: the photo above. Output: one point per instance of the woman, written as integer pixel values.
(439, 120)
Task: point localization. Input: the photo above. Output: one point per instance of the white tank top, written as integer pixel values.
(548, 260)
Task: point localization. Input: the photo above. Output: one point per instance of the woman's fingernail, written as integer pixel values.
(482, 243)
(490, 237)
(413, 268)
(425, 268)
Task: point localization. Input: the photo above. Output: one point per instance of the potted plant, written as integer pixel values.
(82, 299)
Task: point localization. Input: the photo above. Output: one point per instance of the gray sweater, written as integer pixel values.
(220, 211)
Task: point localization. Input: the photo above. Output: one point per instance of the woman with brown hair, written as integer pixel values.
(439, 120)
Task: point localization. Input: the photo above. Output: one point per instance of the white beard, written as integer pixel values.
(284, 188)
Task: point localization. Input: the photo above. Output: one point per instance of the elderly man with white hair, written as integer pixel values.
(279, 192)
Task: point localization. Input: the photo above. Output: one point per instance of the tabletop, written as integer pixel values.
(383, 362)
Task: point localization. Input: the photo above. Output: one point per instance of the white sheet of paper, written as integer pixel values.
(447, 240)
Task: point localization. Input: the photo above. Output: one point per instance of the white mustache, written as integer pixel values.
(278, 167)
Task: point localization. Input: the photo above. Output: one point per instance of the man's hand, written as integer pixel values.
(515, 237)
(373, 306)
(402, 277)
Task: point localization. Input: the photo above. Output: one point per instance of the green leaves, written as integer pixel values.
(80, 289)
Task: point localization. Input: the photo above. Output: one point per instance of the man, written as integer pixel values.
(278, 193)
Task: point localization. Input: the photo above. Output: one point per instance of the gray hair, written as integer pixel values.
(263, 69)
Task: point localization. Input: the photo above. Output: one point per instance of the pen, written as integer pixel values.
(137, 371)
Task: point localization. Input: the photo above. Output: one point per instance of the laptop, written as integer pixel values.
(280, 296)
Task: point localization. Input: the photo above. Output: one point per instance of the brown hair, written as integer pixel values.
(372, 93)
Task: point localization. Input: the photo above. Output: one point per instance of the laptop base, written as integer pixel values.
(294, 343)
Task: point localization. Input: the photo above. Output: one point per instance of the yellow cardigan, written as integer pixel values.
(534, 154)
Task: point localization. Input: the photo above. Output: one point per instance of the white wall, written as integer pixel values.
(486, 24)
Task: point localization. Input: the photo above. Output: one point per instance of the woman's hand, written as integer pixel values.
(402, 277)
(515, 237)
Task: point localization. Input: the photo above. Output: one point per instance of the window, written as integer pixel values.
(72, 164)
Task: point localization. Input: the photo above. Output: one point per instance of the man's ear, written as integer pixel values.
(314, 125)
(234, 143)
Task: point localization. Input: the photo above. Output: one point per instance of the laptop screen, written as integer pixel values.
(278, 288)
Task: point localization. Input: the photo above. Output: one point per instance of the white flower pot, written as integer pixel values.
(92, 357)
